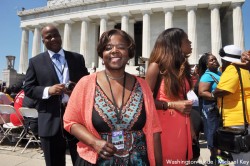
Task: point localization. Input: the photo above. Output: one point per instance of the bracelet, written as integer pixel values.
(166, 105)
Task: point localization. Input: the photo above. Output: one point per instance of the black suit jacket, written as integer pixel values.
(40, 74)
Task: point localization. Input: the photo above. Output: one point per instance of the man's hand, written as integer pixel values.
(57, 89)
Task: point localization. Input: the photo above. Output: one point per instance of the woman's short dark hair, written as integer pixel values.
(104, 39)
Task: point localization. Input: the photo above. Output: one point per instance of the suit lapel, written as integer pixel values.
(68, 59)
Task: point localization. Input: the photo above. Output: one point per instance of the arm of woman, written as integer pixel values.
(100, 146)
(157, 149)
(151, 78)
(74, 116)
(152, 75)
(204, 91)
(220, 93)
(245, 60)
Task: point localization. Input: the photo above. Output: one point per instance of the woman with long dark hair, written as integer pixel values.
(170, 71)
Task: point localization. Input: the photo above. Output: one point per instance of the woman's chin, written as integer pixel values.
(116, 67)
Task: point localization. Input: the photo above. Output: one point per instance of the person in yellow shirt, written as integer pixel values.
(229, 88)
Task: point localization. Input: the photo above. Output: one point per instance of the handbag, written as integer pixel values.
(231, 139)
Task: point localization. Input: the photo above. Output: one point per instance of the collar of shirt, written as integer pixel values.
(61, 52)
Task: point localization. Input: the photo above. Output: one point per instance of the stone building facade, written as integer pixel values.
(210, 24)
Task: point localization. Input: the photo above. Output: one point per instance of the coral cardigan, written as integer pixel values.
(80, 107)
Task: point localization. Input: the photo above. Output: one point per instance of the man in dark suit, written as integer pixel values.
(45, 81)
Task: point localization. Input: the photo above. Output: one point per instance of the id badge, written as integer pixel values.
(118, 139)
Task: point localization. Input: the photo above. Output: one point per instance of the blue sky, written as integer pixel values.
(10, 32)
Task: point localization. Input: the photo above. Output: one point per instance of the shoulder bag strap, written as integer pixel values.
(242, 97)
(215, 80)
(221, 110)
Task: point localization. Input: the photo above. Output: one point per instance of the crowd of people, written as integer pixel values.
(111, 117)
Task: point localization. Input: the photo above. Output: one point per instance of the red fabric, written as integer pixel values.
(194, 79)
(176, 133)
(18, 102)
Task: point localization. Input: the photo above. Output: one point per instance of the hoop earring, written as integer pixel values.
(128, 62)
(102, 62)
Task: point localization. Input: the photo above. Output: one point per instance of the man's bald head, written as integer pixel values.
(51, 38)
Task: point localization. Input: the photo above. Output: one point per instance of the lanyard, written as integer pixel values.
(57, 68)
(118, 111)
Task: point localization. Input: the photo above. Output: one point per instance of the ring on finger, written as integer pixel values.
(105, 153)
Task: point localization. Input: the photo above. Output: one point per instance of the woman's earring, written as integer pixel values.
(102, 62)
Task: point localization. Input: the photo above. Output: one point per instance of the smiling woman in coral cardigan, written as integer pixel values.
(112, 112)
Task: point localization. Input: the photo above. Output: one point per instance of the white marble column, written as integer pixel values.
(103, 24)
(131, 32)
(36, 45)
(93, 32)
(103, 28)
(215, 30)
(111, 25)
(23, 63)
(168, 17)
(146, 35)
(238, 25)
(67, 35)
(131, 28)
(84, 41)
(125, 21)
(192, 33)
